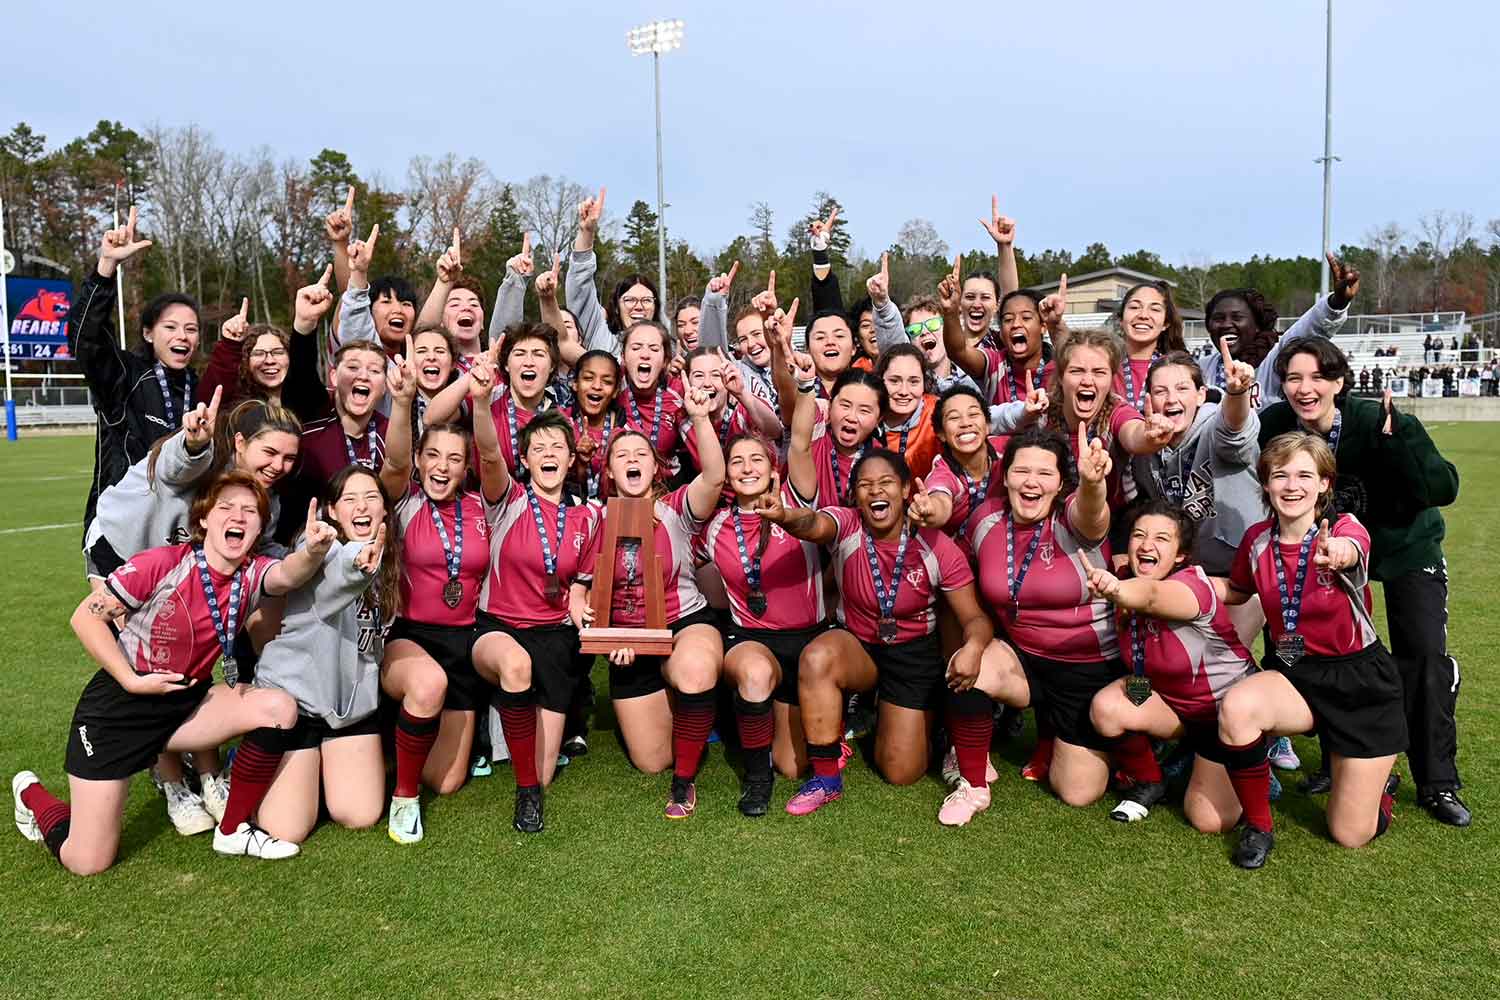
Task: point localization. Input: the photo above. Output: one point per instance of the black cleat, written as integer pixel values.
(528, 809)
(1317, 783)
(1254, 847)
(1137, 800)
(1446, 807)
(1392, 783)
(575, 746)
(755, 795)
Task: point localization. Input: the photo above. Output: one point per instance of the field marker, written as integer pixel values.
(40, 527)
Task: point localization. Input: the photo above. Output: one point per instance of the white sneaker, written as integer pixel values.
(405, 825)
(253, 842)
(25, 818)
(963, 803)
(950, 768)
(215, 794)
(185, 810)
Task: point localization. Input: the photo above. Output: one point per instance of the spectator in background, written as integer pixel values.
(1364, 381)
(1427, 348)
(1376, 377)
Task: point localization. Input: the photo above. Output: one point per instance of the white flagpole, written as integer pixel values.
(119, 278)
(10, 399)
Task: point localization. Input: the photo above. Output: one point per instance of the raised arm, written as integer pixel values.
(300, 566)
(800, 470)
(339, 228)
(825, 285)
(510, 297)
(356, 320)
(955, 341)
(888, 329)
(707, 486)
(1002, 230)
(1088, 514)
(92, 337)
(395, 470)
(1146, 436)
(1323, 318)
(713, 321)
(303, 391)
(494, 477)
(186, 456)
(758, 412)
(582, 294)
(450, 264)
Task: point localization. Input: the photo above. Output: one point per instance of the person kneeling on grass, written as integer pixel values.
(179, 607)
(327, 657)
(889, 579)
(1326, 669)
(1184, 654)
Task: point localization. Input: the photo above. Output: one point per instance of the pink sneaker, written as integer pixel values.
(950, 769)
(814, 795)
(846, 754)
(684, 808)
(1041, 761)
(963, 803)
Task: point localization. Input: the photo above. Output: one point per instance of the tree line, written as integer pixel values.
(227, 225)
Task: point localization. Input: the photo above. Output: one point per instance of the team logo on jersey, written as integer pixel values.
(481, 526)
(577, 541)
(125, 570)
(1047, 552)
(1153, 629)
(916, 576)
(777, 532)
(1325, 579)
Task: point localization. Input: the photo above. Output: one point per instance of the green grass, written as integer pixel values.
(867, 899)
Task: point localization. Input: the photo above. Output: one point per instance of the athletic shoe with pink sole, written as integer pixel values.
(682, 802)
(950, 769)
(815, 794)
(963, 804)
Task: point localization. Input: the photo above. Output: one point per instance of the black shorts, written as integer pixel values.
(644, 677)
(556, 667)
(448, 645)
(115, 733)
(312, 731)
(1062, 692)
(1356, 700)
(911, 674)
(786, 645)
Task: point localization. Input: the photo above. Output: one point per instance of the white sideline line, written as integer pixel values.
(47, 479)
(39, 527)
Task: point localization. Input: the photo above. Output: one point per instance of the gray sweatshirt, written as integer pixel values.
(328, 652)
(713, 331)
(510, 305)
(357, 322)
(582, 297)
(137, 514)
(1321, 319)
(890, 331)
(1212, 476)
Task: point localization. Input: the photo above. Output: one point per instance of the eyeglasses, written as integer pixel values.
(932, 324)
(274, 354)
(645, 302)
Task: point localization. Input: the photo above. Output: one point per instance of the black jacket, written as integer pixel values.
(127, 398)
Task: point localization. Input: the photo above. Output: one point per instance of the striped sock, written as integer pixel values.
(414, 739)
(692, 719)
(971, 723)
(518, 722)
(52, 815)
(757, 726)
(250, 778)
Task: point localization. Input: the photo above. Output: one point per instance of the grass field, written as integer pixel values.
(870, 898)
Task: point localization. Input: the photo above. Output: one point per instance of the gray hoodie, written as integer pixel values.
(328, 652)
(583, 299)
(713, 326)
(1213, 473)
(1321, 319)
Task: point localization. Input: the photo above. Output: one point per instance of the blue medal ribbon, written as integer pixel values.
(166, 394)
(1291, 602)
(225, 628)
(884, 598)
(1129, 377)
(1013, 578)
(833, 459)
(1016, 395)
(550, 555)
(751, 567)
(453, 554)
(635, 413)
(370, 441)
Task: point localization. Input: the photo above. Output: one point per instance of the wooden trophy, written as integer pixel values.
(628, 518)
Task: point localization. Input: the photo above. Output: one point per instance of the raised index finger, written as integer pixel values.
(1062, 291)
(244, 308)
(374, 235)
(327, 276)
(733, 270)
(771, 284)
(457, 247)
(885, 264)
(833, 215)
(526, 243)
(1224, 354)
(958, 263)
(994, 206)
(130, 224)
(349, 201)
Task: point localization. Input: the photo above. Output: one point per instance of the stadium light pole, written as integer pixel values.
(658, 37)
(10, 398)
(1327, 159)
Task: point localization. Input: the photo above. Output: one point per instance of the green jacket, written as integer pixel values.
(1393, 483)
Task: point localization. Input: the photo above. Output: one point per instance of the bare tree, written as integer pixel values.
(1196, 273)
(186, 160)
(446, 193)
(1444, 232)
(919, 238)
(549, 208)
(1384, 243)
(763, 223)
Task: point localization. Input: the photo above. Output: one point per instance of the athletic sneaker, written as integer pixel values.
(480, 767)
(755, 794)
(683, 800)
(846, 754)
(215, 795)
(1136, 802)
(575, 746)
(25, 818)
(251, 841)
(950, 769)
(1040, 763)
(186, 810)
(859, 714)
(1254, 847)
(405, 826)
(1283, 757)
(815, 794)
(1275, 789)
(528, 815)
(963, 803)
(1317, 783)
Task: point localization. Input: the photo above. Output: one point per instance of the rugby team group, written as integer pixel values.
(930, 516)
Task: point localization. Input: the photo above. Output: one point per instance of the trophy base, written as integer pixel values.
(645, 641)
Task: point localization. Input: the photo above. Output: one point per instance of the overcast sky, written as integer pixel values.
(1189, 131)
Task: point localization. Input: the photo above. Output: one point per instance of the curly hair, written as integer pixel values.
(1100, 340)
(248, 383)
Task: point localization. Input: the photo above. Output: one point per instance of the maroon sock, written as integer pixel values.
(1133, 753)
(518, 721)
(692, 719)
(48, 809)
(249, 779)
(756, 723)
(414, 739)
(971, 723)
(1250, 774)
(824, 758)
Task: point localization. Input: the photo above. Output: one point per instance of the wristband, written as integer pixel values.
(807, 386)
